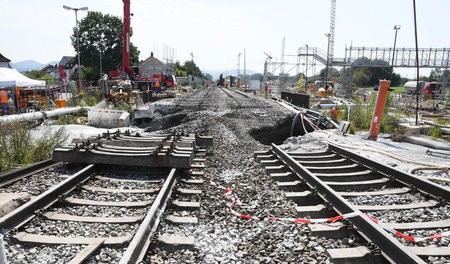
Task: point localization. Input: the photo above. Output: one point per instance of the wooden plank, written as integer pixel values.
(87, 252)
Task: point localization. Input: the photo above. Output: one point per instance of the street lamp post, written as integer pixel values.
(396, 28)
(328, 59)
(100, 46)
(306, 69)
(78, 39)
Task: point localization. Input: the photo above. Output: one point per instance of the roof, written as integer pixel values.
(4, 59)
(154, 59)
(11, 77)
(48, 68)
(66, 59)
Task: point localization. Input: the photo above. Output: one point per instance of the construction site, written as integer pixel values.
(316, 158)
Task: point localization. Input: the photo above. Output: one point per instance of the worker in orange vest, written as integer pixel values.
(157, 87)
(4, 102)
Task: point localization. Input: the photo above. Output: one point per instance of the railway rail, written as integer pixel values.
(329, 185)
(102, 213)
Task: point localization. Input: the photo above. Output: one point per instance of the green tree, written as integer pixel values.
(189, 68)
(91, 43)
(40, 75)
(208, 77)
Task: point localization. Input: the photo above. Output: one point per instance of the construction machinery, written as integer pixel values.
(126, 72)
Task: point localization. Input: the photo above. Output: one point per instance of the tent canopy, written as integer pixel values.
(11, 77)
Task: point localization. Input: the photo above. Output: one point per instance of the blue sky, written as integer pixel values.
(217, 31)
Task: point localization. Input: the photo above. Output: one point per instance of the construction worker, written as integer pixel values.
(329, 91)
(157, 87)
(4, 102)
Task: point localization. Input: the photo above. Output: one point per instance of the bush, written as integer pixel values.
(18, 149)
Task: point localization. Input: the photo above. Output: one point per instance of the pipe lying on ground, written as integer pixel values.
(41, 115)
(327, 106)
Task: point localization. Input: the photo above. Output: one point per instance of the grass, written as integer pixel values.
(398, 90)
(17, 148)
(361, 116)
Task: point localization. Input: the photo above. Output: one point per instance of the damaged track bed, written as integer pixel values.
(336, 184)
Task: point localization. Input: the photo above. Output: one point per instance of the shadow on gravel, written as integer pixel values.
(276, 134)
(165, 122)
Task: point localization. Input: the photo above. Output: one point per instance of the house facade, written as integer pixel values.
(4, 62)
(152, 66)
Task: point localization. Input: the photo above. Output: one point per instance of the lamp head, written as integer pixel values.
(83, 8)
(67, 7)
(397, 27)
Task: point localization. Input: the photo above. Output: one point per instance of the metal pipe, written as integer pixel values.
(40, 115)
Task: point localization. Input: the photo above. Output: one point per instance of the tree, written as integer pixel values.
(208, 77)
(40, 75)
(91, 29)
(370, 76)
(189, 68)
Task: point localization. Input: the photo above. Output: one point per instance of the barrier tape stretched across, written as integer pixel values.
(229, 195)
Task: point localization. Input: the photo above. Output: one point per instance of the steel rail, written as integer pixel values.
(390, 246)
(136, 250)
(26, 211)
(421, 184)
(17, 174)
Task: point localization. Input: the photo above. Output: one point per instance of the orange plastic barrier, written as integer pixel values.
(60, 103)
(379, 108)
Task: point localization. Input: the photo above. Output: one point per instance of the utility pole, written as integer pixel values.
(417, 63)
(306, 69)
(328, 59)
(238, 83)
(265, 67)
(245, 70)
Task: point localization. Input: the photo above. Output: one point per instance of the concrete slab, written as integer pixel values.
(10, 201)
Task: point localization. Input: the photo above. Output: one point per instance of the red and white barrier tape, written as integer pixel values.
(229, 195)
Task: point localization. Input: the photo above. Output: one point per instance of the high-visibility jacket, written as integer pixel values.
(3, 97)
(157, 84)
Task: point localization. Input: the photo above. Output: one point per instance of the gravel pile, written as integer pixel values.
(113, 197)
(413, 215)
(39, 182)
(220, 236)
(100, 211)
(61, 254)
(391, 199)
(114, 184)
(78, 229)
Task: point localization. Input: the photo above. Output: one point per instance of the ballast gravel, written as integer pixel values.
(221, 237)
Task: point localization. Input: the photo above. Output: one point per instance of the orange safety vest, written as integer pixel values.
(3, 97)
(157, 84)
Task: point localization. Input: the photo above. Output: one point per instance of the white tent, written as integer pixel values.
(11, 77)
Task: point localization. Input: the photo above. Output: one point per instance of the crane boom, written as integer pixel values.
(126, 36)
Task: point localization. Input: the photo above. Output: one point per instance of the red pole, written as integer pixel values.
(379, 108)
(126, 36)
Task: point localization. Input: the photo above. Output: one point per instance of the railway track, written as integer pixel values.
(101, 213)
(336, 184)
